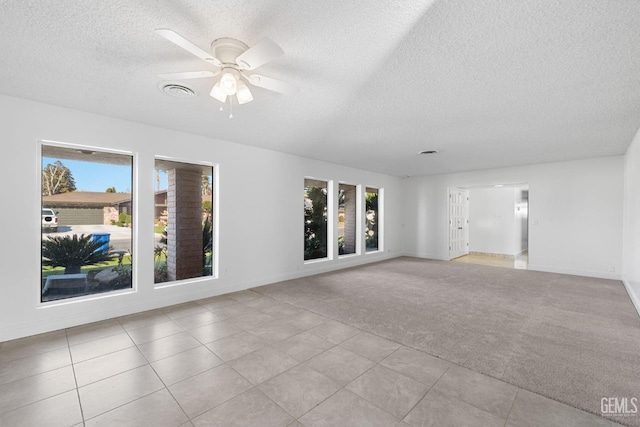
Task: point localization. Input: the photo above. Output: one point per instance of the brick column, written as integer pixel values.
(350, 219)
(184, 230)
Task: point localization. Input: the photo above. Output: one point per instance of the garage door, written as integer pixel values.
(80, 216)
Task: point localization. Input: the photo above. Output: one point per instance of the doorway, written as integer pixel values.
(497, 232)
(458, 222)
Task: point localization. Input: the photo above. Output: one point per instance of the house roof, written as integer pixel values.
(486, 83)
(86, 198)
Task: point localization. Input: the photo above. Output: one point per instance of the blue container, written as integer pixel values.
(101, 237)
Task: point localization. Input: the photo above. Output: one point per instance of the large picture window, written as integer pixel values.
(372, 218)
(184, 221)
(347, 216)
(86, 217)
(315, 219)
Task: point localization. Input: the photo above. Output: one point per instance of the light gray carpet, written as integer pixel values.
(570, 338)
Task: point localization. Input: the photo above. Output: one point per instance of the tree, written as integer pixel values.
(110, 190)
(315, 223)
(371, 236)
(207, 246)
(206, 185)
(207, 207)
(56, 179)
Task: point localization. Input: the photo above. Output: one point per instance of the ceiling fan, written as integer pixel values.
(234, 62)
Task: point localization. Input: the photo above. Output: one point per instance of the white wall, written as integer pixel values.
(493, 226)
(631, 246)
(261, 233)
(575, 214)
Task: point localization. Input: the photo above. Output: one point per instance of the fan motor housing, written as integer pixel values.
(227, 49)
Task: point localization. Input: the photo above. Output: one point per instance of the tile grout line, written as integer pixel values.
(511, 407)
(340, 388)
(487, 376)
(427, 392)
(344, 387)
(300, 364)
(255, 386)
(422, 351)
(75, 378)
(155, 372)
(190, 420)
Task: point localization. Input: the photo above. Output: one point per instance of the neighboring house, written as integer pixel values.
(160, 211)
(160, 203)
(88, 207)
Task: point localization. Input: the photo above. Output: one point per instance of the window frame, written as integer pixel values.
(40, 143)
(358, 219)
(330, 219)
(380, 219)
(215, 213)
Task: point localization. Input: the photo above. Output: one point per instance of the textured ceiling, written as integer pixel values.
(487, 83)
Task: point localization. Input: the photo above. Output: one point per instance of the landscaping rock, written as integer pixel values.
(108, 277)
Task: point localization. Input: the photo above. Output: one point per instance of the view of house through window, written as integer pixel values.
(372, 219)
(347, 206)
(86, 221)
(315, 219)
(184, 221)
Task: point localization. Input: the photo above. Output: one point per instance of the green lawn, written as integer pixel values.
(49, 271)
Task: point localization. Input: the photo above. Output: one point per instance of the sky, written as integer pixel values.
(94, 176)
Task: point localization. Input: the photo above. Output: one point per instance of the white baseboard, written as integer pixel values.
(585, 273)
(424, 255)
(164, 299)
(21, 330)
(319, 267)
(635, 298)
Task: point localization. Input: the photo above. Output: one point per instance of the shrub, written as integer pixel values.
(72, 252)
(124, 272)
(124, 220)
(341, 245)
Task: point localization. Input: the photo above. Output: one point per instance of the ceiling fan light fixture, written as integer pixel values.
(228, 84)
(217, 93)
(234, 61)
(244, 94)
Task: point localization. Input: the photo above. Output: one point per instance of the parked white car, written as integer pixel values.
(49, 219)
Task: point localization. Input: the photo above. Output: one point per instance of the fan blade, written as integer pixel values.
(264, 51)
(271, 84)
(176, 38)
(188, 75)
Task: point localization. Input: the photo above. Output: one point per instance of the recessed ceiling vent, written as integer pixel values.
(178, 91)
(428, 152)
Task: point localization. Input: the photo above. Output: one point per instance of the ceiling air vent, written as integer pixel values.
(428, 152)
(178, 91)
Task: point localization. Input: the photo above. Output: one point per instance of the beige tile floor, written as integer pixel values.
(246, 360)
(521, 261)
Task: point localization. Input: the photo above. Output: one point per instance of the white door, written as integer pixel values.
(458, 222)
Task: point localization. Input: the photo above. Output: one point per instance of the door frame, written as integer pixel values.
(464, 226)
